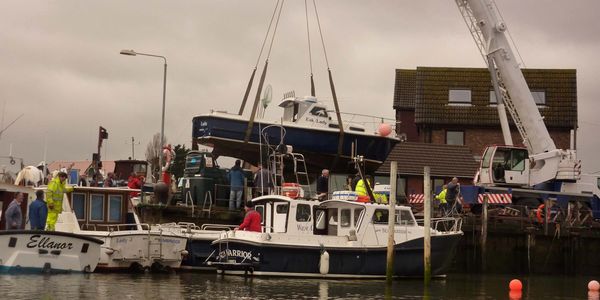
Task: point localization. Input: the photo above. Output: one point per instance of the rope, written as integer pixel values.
(266, 35)
(308, 37)
(275, 30)
(321, 34)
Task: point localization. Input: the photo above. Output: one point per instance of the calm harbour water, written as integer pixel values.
(212, 286)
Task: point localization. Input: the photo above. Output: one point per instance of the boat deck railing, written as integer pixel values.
(115, 227)
(445, 224)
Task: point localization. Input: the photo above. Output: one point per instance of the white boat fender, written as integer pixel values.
(324, 262)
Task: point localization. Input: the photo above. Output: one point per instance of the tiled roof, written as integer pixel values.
(404, 89)
(431, 86)
(443, 160)
(81, 165)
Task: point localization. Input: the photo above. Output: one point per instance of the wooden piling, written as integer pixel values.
(389, 273)
(484, 223)
(427, 227)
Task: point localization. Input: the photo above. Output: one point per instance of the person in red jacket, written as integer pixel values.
(251, 220)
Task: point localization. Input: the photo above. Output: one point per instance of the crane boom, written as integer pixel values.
(489, 34)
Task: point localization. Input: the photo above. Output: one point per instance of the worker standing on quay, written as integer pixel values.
(54, 198)
(442, 198)
(453, 189)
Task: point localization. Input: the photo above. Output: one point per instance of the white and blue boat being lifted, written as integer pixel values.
(333, 238)
(308, 127)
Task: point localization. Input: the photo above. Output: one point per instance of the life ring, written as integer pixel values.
(539, 213)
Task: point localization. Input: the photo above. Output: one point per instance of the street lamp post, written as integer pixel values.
(162, 124)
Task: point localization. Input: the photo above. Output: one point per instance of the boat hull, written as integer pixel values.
(319, 146)
(138, 251)
(35, 251)
(243, 257)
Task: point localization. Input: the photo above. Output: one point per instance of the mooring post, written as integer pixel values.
(484, 223)
(427, 227)
(546, 215)
(391, 222)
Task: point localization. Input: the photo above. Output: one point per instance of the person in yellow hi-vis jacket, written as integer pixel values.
(57, 188)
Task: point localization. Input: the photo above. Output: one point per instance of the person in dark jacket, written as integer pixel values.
(323, 185)
(236, 183)
(452, 191)
(38, 211)
(13, 214)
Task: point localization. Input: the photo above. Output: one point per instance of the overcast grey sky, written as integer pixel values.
(62, 68)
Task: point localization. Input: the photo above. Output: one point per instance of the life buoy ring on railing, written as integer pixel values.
(539, 214)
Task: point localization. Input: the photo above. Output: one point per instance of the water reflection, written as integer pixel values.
(212, 286)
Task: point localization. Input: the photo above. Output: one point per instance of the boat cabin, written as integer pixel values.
(95, 206)
(7, 195)
(282, 214)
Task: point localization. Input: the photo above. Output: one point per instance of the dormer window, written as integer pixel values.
(538, 96)
(459, 97)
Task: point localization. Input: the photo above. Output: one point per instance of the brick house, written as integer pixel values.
(457, 105)
(450, 112)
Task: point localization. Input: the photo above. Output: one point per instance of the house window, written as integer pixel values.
(539, 97)
(459, 97)
(115, 203)
(97, 208)
(455, 137)
(493, 100)
(79, 205)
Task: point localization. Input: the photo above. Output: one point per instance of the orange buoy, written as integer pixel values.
(594, 285)
(515, 285)
(515, 295)
(384, 129)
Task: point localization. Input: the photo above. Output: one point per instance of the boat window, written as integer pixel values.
(97, 208)
(404, 217)
(334, 217)
(319, 112)
(357, 212)
(282, 208)
(115, 204)
(320, 219)
(79, 205)
(345, 217)
(332, 226)
(360, 129)
(303, 213)
(261, 210)
(380, 216)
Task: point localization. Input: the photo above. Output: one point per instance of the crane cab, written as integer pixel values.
(504, 165)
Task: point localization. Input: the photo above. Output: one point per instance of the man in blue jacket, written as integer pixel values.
(38, 211)
(236, 183)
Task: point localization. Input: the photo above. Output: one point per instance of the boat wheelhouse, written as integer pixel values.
(108, 214)
(37, 251)
(333, 238)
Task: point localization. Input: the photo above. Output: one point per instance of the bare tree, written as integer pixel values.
(153, 150)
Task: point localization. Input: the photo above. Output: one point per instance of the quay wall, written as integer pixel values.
(521, 248)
